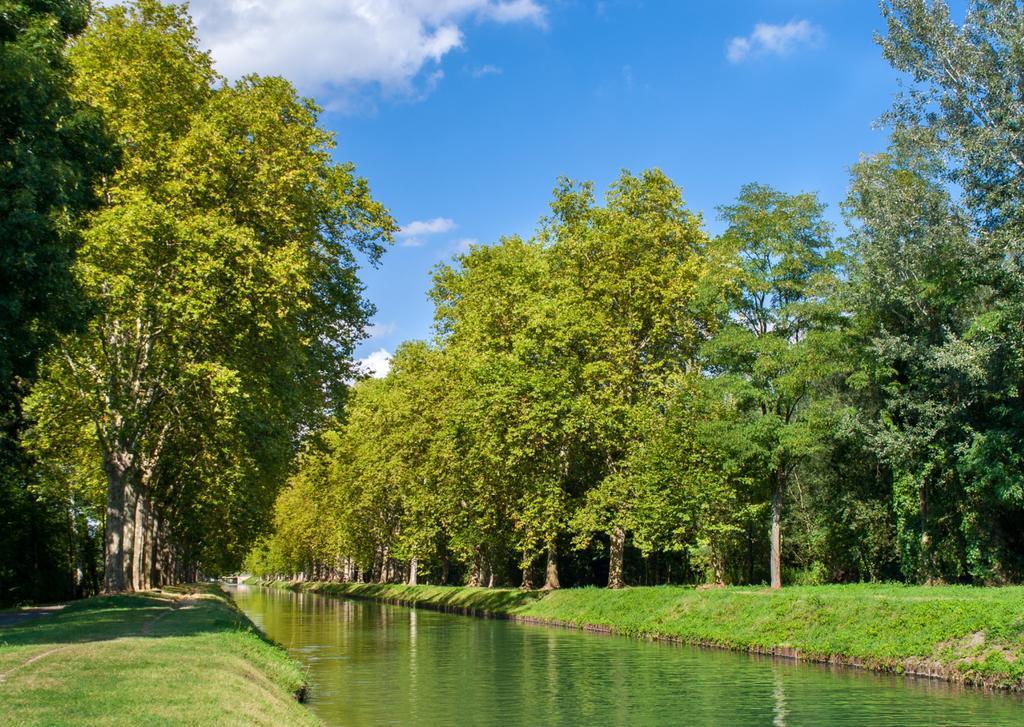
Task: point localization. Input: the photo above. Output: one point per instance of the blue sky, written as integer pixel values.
(463, 113)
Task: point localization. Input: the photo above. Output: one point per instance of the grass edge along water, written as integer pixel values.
(961, 634)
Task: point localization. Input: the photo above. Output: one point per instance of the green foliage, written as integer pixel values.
(627, 277)
(223, 276)
(619, 382)
(937, 293)
(620, 376)
(775, 355)
(53, 148)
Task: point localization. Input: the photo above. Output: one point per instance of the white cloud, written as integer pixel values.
(378, 331)
(335, 48)
(377, 364)
(463, 246)
(768, 39)
(428, 227)
(486, 70)
(516, 11)
(413, 234)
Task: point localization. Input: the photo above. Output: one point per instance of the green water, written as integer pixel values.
(374, 664)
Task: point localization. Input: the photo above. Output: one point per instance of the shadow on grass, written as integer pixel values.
(141, 615)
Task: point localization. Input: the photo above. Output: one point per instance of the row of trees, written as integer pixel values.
(620, 374)
(622, 392)
(212, 263)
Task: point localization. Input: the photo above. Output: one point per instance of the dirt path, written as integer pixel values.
(179, 604)
(12, 618)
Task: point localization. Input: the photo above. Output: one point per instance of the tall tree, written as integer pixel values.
(958, 126)
(627, 277)
(918, 289)
(688, 487)
(772, 351)
(497, 321)
(223, 272)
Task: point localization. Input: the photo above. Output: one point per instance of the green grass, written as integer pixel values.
(964, 634)
(184, 656)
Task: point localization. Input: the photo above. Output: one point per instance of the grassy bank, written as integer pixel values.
(969, 635)
(182, 656)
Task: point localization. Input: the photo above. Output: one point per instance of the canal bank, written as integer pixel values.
(185, 655)
(963, 635)
(374, 663)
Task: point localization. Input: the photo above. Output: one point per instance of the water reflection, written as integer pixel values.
(780, 699)
(373, 664)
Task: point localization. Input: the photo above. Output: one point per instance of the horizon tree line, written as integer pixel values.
(621, 384)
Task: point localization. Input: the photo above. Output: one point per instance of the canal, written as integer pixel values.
(376, 664)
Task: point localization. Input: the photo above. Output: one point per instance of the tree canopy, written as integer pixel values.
(222, 270)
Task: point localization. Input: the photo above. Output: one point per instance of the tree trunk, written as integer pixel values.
(776, 564)
(172, 565)
(166, 556)
(138, 542)
(527, 584)
(74, 552)
(145, 560)
(927, 572)
(476, 578)
(412, 571)
(128, 534)
(113, 539)
(385, 555)
(551, 573)
(717, 566)
(616, 551)
(154, 551)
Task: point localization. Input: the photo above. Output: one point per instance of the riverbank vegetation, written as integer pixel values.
(958, 633)
(623, 398)
(181, 656)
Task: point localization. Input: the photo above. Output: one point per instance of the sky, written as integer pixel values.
(464, 113)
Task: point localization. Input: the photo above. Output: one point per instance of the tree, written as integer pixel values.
(393, 467)
(223, 273)
(919, 282)
(686, 484)
(956, 386)
(627, 277)
(772, 352)
(54, 149)
(497, 317)
(963, 97)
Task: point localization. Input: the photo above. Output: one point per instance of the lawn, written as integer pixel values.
(182, 656)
